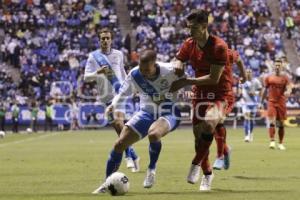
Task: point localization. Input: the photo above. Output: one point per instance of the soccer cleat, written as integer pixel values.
(194, 174)
(227, 158)
(206, 182)
(281, 147)
(251, 137)
(129, 162)
(272, 145)
(247, 138)
(101, 189)
(218, 164)
(149, 179)
(136, 163)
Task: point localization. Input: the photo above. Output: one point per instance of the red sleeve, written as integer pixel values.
(183, 53)
(219, 54)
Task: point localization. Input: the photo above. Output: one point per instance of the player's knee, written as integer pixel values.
(120, 145)
(118, 125)
(207, 136)
(279, 124)
(272, 124)
(153, 135)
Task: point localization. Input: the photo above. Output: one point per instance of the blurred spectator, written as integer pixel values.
(48, 116)
(34, 115)
(2, 116)
(15, 117)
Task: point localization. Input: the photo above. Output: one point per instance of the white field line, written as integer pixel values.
(28, 139)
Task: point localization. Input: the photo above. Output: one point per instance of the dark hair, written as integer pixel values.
(147, 55)
(200, 16)
(278, 60)
(104, 30)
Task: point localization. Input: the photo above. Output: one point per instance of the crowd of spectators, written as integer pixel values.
(49, 41)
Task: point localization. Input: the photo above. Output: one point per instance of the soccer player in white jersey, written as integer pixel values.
(106, 67)
(157, 117)
(250, 92)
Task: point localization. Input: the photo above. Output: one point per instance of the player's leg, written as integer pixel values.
(208, 175)
(127, 137)
(214, 114)
(280, 124)
(203, 132)
(135, 129)
(223, 151)
(272, 122)
(247, 123)
(160, 128)
(222, 148)
(132, 160)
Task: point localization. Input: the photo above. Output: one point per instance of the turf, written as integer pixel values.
(69, 165)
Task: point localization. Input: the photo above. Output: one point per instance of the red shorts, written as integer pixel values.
(277, 111)
(201, 108)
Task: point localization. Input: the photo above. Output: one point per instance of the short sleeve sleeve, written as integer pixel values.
(183, 53)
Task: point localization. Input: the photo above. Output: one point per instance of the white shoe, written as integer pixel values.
(129, 162)
(251, 137)
(272, 145)
(206, 182)
(136, 164)
(194, 174)
(281, 147)
(101, 189)
(149, 179)
(218, 164)
(247, 138)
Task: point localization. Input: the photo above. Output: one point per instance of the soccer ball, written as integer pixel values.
(2, 134)
(117, 184)
(29, 130)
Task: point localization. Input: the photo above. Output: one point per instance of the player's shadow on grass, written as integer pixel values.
(265, 178)
(216, 190)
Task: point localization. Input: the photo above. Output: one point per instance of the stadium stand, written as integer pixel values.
(48, 40)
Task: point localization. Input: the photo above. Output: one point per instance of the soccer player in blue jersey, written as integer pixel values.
(157, 117)
(106, 67)
(250, 92)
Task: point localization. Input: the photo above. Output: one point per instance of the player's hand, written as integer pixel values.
(109, 109)
(109, 112)
(176, 85)
(178, 68)
(103, 70)
(287, 93)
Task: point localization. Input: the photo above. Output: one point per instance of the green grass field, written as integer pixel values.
(69, 165)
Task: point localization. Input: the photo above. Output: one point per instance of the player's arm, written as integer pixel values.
(181, 56)
(242, 69)
(264, 91)
(289, 89)
(211, 79)
(93, 70)
(126, 90)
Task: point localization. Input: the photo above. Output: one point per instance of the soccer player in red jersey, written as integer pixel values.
(223, 150)
(211, 87)
(278, 87)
